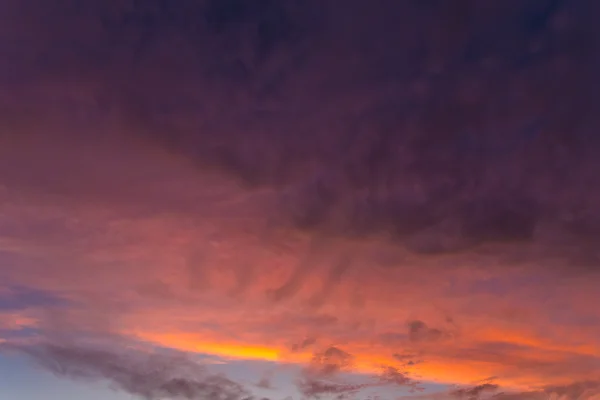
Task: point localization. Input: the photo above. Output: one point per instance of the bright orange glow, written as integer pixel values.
(226, 350)
(435, 370)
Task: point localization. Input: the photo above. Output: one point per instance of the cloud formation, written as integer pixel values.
(475, 392)
(136, 371)
(418, 331)
(574, 391)
(331, 361)
(230, 177)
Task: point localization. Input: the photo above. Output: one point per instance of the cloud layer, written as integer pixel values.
(403, 187)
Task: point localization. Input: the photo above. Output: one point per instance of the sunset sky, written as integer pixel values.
(299, 199)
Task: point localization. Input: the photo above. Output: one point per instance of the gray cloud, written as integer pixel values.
(575, 391)
(151, 375)
(324, 376)
(330, 361)
(486, 389)
(391, 375)
(314, 388)
(316, 379)
(474, 393)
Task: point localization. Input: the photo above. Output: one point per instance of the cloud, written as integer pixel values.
(392, 175)
(338, 270)
(152, 152)
(407, 358)
(379, 169)
(313, 388)
(15, 298)
(151, 375)
(304, 344)
(264, 383)
(316, 387)
(577, 390)
(317, 378)
(330, 361)
(328, 374)
(298, 276)
(419, 331)
(474, 393)
(391, 375)
(584, 390)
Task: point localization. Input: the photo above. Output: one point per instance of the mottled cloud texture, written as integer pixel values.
(151, 376)
(386, 194)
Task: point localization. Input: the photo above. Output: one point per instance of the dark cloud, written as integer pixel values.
(574, 391)
(577, 390)
(391, 375)
(304, 344)
(420, 332)
(264, 383)
(151, 375)
(474, 393)
(583, 390)
(314, 388)
(477, 133)
(330, 361)
(457, 168)
(324, 376)
(316, 380)
(407, 359)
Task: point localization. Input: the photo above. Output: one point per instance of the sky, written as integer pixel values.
(299, 199)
